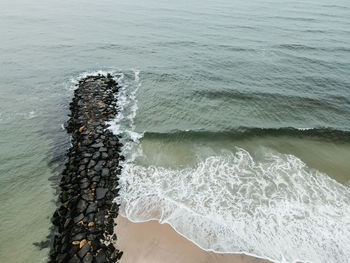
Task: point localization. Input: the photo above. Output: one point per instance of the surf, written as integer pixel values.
(276, 208)
(226, 199)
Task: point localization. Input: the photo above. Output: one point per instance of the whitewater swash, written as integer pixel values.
(223, 198)
(275, 207)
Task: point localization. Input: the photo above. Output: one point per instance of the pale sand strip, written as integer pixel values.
(151, 242)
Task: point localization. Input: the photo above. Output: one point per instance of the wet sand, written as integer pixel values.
(151, 242)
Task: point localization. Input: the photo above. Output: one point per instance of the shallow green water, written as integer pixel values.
(206, 68)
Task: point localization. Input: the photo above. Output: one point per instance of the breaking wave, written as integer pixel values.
(274, 207)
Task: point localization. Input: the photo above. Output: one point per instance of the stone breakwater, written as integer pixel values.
(84, 220)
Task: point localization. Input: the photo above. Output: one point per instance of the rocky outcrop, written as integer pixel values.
(85, 216)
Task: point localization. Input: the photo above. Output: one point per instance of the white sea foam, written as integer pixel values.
(304, 129)
(32, 114)
(276, 208)
(123, 123)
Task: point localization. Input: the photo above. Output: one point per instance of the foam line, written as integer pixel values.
(276, 209)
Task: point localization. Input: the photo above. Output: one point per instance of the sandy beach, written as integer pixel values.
(151, 242)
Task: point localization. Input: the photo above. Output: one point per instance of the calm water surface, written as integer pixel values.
(236, 119)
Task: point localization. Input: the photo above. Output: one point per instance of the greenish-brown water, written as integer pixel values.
(194, 73)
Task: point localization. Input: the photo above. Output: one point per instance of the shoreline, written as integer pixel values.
(84, 220)
(152, 242)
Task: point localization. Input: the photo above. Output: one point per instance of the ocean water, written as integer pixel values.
(233, 115)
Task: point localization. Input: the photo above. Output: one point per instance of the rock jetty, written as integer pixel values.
(84, 220)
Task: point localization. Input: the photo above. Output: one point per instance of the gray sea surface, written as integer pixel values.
(248, 101)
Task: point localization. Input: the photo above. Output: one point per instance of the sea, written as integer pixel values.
(234, 117)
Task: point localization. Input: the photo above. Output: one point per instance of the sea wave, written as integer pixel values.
(324, 133)
(277, 208)
(274, 207)
(333, 103)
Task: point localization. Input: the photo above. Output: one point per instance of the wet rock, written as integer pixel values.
(78, 218)
(91, 208)
(88, 197)
(96, 156)
(84, 183)
(87, 142)
(82, 252)
(55, 219)
(81, 206)
(103, 149)
(91, 173)
(88, 258)
(67, 222)
(98, 166)
(101, 192)
(85, 160)
(101, 257)
(97, 145)
(91, 216)
(104, 156)
(116, 255)
(62, 258)
(112, 143)
(100, 217)
(74, 259)
(96, 179)
(105, 172)
(92, 163)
